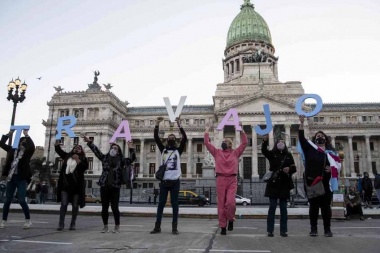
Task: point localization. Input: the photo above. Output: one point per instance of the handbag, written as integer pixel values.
(160, 173)
(317, 189)
(270, 176)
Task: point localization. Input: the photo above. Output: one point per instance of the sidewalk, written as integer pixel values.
(248, 212)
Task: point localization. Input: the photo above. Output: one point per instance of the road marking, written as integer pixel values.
(240, 227)
(131, 225)
(355, 227)
(233, 250)
(44, 242)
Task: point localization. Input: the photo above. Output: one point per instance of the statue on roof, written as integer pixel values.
(95, 86)
(58, 89)
(107, 86)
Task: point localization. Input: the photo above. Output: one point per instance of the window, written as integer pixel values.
(202, 121)
(237, 65)
(319, 119)
(335, 120)
(137, 122)
(138, 148)
(152, 148)
(89, 184)
(58, 163)
(373, 166)
(76, 140)
(199, 148)
(92, 112)
(293, 141)
(183, 168)
(196, 121)
(64, 112)
(371, 146)
(136, 169)
(90, 161)
(152, 168)
(151, 122)
(187, 121)
(355, 146)
(249, 142)
(367, 118)
(78, 113)
(364, 118)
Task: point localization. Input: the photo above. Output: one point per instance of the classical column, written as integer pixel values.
(333, 140)
(142, 158)
(369, 159)
(189, 157)
(255, 172)
(352, 165)
(287, 135)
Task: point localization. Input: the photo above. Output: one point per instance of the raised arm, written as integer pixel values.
(182, 145)
(264, 148)
(132, 153)
(207, 142)
(3, 141)
(58, 149)
(93, 148)
(157, 139)
(301, 134)
(243, 141)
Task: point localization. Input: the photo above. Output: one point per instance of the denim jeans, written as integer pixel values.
(19, 184)
(64, 203)
(272, 213)
(173, 188)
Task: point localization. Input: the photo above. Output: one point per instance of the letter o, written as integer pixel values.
(317, 108)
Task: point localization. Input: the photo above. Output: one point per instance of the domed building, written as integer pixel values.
(250, 81)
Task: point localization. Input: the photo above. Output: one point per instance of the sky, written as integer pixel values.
(150, 49)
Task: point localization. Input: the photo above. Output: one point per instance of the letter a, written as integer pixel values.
(226, 122)
(268, 122)
(67, 128)
(122, 131)
(169, 108)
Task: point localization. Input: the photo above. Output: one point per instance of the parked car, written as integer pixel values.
(191, 198)
(241, 200)
(89, 198)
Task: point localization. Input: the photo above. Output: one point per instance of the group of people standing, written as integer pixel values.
(320, 162)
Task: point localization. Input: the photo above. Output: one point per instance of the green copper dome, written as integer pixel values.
(248, 25)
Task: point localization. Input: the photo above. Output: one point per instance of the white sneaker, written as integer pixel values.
(3, 224)
(27, 224)
(105, 229)
(116, 230)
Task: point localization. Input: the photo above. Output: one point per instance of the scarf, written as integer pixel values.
(16, 158)
(334, 160)
(71, 164)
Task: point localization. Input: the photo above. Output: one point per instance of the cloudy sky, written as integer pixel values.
(155, 48)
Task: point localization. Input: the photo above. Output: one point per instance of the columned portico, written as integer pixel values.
(190, 157)
(255, 172)
(143, 168)
(369, 159)
(352, 165)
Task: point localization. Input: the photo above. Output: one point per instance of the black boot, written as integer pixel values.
(157, 228)
(314, 231)
(72, 226)
(174, 228)
(223, 231)
(230, 226)
(61, 226)
(328, 232)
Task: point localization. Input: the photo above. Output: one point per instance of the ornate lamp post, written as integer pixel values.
(17, 96)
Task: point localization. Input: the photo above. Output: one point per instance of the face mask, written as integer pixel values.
(113, 152)
(320, 140)
(171, 142)
(224, 146)
(280, 146)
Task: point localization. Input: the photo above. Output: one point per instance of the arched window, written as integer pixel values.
(232, 67)
(228, 69)
(237, 65)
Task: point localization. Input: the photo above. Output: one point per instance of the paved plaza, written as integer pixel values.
(196, 234)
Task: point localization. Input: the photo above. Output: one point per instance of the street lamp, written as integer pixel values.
(16, 98)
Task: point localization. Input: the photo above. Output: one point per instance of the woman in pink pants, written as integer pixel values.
(226, 169)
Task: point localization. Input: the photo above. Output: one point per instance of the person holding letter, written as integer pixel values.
(71, 185)
(170, 155)
(111, 179)
(226, 169)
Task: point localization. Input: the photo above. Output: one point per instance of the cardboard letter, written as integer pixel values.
(18, 134)
(169, 108)
(122, 131)
(317, 108)
(268, 121)
(226, 122)
(67, 128)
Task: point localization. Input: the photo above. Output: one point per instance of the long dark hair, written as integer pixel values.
(328, 144)
(81, 154)
(275, 149)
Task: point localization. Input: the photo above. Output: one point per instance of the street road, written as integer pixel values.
(196, 235)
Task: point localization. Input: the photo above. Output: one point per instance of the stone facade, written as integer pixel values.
(250, 80)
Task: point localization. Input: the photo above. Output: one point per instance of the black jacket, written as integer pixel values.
(23, 166)
(77, 175)
(278, 160)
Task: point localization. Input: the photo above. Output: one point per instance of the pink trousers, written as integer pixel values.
(226, 190)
